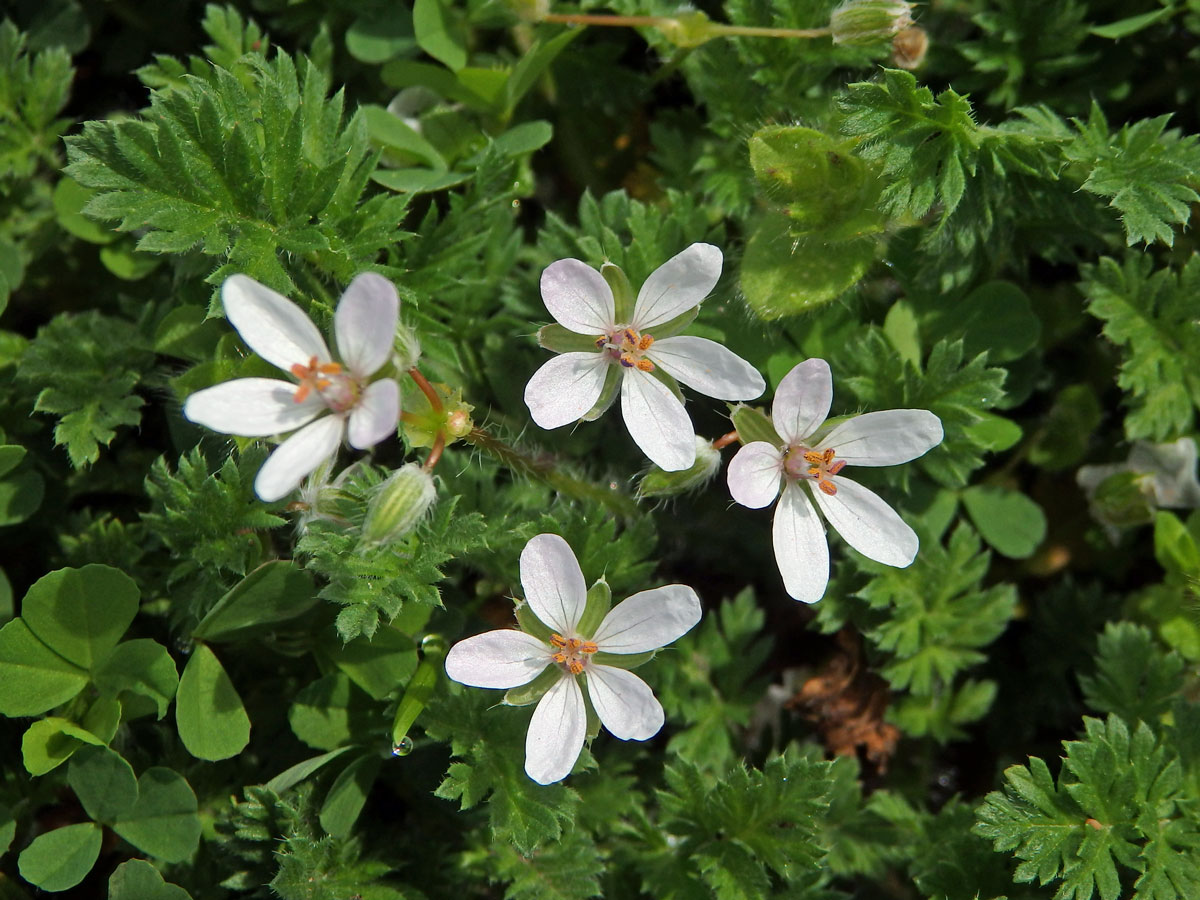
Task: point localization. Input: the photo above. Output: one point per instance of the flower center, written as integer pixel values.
(819, 465)
(339, 391)
(572, 653)
(627, 347)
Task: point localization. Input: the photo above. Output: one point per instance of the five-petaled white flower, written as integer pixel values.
(277, 329)
(863, 520)
(569, 386)
(555, 593)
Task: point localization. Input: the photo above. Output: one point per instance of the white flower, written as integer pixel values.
(555, 593)
(567, 387)
(863, 520)
(278, 330)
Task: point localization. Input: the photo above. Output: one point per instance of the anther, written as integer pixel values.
(645, 342)
(645, 365)
(827, 487)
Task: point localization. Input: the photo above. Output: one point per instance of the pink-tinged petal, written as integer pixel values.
(624, 703)
(375, 415)
(707, 367)
(365, 323)
(251, 407)
(553, 582)
(565, 388)
(801, 550)
(885, 438)
(754, 474)
(868, 524)
(649, 620)
(676, 286)
(271, 325)
(578, 297)
(556, 733)
(497, 659)
(297, 456)
(657, 421)
(802, 400)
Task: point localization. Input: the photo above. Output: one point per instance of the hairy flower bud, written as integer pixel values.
(860, 22)
(398, 505)
(658, 483)
(909, 47)
(406, 348)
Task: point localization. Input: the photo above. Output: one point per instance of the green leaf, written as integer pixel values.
(1008, 520)
(1067, 429)
(374, 39)
(142, 666)
(393, 133)
(293, 775)
(1132, 24)
(8, 828)
(996, 317)
(163, 821)
(329, 712)
(277, 591)
(136, 879)
(20, 496)
(104, 783)
(438, 34)
(81, 613)
(127, 263)
(69, 199)
(208, 711)
(1134, 678)
(348, 795)
(1150, 314)
(380, 664)
(60, 859)
(33, 678)
(51, 741)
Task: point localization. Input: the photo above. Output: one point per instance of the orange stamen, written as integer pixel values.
(645, 365)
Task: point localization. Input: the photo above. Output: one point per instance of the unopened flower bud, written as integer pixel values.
(862, 22)
(909, 46)
(406, 348)
(658, 483)
(687, 30)
(398, 505)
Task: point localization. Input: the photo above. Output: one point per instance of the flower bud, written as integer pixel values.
(864, 22)
(398, 505)
(688, 29)
(658, 483)
(406, 348)
(909, 47)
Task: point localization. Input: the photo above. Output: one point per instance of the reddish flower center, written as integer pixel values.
(819, 465)
(339, 391)
(627, 347)
(572, 653)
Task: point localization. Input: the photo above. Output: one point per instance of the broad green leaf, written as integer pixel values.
(1008, 520)
(275, 592)
(438, 34)
(103, 718)
(137, 879)
(126, 262)
(329, 712)
(533, 63)
(8, 828)
(142, 666)
(996, 317)
(10, 456)
(60, 859)
(187, 332)
(398, 137)
(81, 613)
(51, 741)
(374, 39)
(163, 822)
(379, 664)
(104, 783)
(21, 494)
(208, 711)
(524, 138)
(994, 433)
(347, 796)
(33, 678)
(1132, 24)
(292, 776)
(69, 199)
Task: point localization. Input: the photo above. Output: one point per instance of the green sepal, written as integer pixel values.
(593, 720)
(529, 623)
(676, 325)
(563, 340)
(753, 424)
(623, 660)
(599, 600)
(608, 394)
(525, 694)
(623, 298)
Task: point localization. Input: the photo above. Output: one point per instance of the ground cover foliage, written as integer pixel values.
(206, 695)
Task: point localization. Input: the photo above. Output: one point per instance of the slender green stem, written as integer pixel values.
(544, 469)
(716, 29)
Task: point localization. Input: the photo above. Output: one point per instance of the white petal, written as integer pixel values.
(802, 400)
(553, 583)
(375, 415)
(885, 438)
(365, 323)
(754, 474)
(649, 620)
(707, 367)
(297, 456)
(251, 407)
(565, 388)
(624, 703)
(271, 325)
(578, 297)
(868, 524)
(676, 286)
(556, 733)
(657, 421)
(497, 659)
(801, 550)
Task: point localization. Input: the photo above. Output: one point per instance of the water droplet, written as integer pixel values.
(402, 747)
(433, 645)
